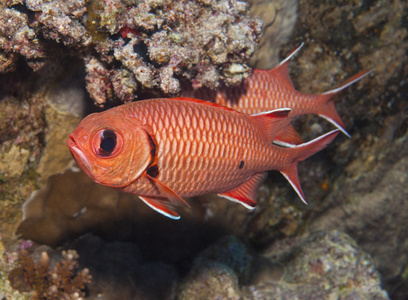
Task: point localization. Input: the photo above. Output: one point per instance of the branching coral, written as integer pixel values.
(131, 46)
(63, 281)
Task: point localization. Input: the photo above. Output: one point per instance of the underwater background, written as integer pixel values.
(61, 60)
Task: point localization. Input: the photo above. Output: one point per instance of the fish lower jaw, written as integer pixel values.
(78, 155)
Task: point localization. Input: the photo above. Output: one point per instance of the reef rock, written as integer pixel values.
(322, 265)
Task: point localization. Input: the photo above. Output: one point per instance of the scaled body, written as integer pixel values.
(165, 149)
(271, 89)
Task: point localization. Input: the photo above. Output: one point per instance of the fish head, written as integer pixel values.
(111, 149)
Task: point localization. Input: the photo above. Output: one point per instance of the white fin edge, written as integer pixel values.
(158, 210)
(336, 90)
(272, 111)
(237, 201)
(301, 145)
(318, 138)
(337, 125)
(295, 188)
(283, 144)
(292, 54)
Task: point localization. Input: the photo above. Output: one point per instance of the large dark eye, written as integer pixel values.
(108, 143)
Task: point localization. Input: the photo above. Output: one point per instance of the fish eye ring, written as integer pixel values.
(107, 143)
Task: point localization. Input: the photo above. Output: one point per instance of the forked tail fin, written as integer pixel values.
(328, 111)
(300, 153)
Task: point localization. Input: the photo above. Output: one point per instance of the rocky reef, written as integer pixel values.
(350, 242)
(132, 47)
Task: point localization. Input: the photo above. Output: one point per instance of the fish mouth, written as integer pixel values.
(77, 153)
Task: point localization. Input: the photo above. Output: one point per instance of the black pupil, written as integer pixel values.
(108, 142)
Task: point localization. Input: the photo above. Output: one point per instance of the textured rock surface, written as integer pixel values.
(279, 19)
(322, 265)
(370, 204)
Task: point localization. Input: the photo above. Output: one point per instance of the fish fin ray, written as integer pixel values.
(292, 53)
(161, 206)
(245, 193)
(269, 121)
(288, 137)
(300, 153)
(167, 193)
(353, 79)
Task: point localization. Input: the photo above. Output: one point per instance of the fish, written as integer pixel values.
(167, 149)
(266, 90)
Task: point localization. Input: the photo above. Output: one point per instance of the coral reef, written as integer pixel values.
(61, 281)
(357, 186)
(129, 47)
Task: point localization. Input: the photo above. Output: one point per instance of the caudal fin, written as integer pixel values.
(328, 111)
(300, 153)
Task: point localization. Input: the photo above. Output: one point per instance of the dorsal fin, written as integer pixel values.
(203, 102)
(269, 121)
(281, 71)
(288, 137)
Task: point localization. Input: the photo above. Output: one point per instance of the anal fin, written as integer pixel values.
(245, 193)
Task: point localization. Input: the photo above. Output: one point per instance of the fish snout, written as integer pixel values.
(71, 142)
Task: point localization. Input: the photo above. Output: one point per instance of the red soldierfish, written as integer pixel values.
(266, 90)
(165, 149)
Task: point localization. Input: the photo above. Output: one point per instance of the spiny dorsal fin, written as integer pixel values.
(281, 71)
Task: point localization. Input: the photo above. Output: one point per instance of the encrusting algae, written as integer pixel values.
(61, 281)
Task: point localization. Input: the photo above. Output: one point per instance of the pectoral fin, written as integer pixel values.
(161, 205)
(167, 193)
(167, 200)
(245, 193)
